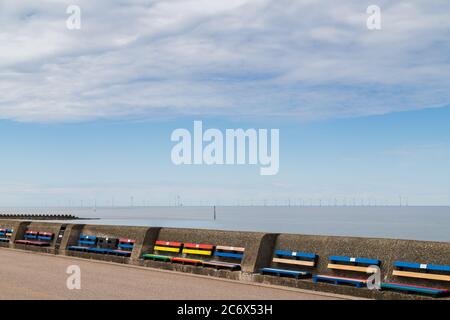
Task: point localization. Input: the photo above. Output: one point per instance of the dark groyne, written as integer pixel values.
(24, 216)
(259, 252)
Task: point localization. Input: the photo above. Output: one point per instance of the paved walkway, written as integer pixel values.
(26, 275)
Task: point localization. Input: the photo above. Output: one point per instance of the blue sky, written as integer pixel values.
(86, 115)
(372, 159)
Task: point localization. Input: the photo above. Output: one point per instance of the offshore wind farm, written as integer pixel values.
(398, 222)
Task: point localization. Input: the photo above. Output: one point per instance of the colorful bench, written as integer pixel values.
(169, 251)
(125, 247)
(84, 243)
(345, 263)
(227, 258)
(36, 238)
(291, 258)
(170, 247)
(419, 271)
(194, 249)
(6, 234)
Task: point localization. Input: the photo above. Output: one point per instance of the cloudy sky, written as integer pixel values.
(144, 68)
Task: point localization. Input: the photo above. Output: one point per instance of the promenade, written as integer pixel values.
(26, 275)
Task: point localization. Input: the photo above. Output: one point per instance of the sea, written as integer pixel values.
(430, 223)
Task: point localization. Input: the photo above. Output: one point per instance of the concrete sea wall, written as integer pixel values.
(259, 249)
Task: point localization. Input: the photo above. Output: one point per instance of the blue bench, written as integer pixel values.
(353, 264)
(228, 258)
(419, 271)
(125, 247)
(283, 272)
(291, 258)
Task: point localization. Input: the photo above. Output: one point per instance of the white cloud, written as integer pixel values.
(297, 59)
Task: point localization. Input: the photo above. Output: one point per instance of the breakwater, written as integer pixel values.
(24, 216)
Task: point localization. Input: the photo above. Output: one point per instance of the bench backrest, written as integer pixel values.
(422, 271)
(295, 258)
(167, 246)
(87, 241)
(107, 242)
(353, 264)
(126, 244)
(45, 236)
(30, 234)
(228, 252)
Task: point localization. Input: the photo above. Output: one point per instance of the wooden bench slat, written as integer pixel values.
(46, 234)
(220, 264)
(156, 257)
(77, 248)
(355, 260)
(297, 254)
(38, 243)
(279, 272)
(199, 252)
(352, 268)
(413, 288)
(229, 255)
(86, 237)
(121, 252)
(123, 240)
(22, 241)
(186, 260)
(199, 246)
(86, 242)
(167, 249)
(421, 266)
(99, 250)
(125, 245)
(228, 248)
(168, 243)
(293, 261)
(430, 276)
(338, 280)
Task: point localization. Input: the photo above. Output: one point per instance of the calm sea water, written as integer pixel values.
(420, 223)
